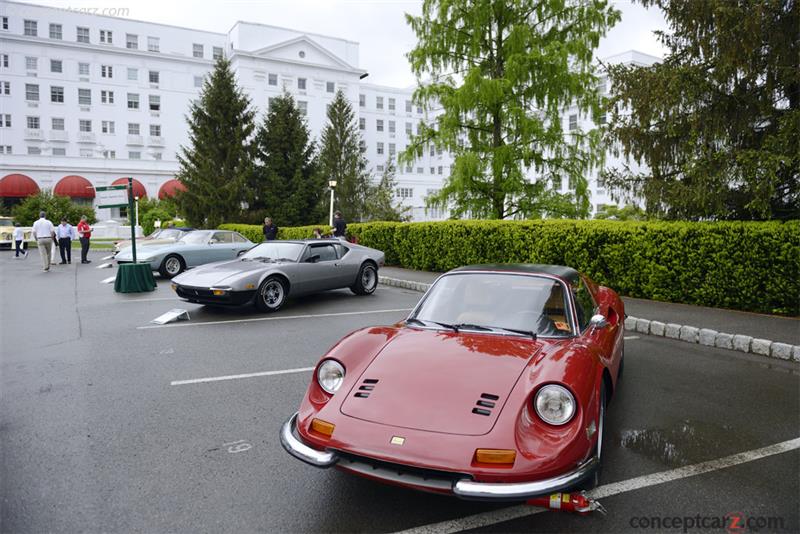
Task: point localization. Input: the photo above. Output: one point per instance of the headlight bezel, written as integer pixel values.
(562, 393)
(327, 365)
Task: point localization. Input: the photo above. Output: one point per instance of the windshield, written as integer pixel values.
(274, 250)
(170, 233)
(196, 238)
(5, 222)
(490, 301)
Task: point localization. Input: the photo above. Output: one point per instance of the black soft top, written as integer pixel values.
(567, 273)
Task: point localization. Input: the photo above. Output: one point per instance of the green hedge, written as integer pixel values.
(753, 266)
(254, 233)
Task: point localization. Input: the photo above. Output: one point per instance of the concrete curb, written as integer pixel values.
(686, 333)
(712, 338)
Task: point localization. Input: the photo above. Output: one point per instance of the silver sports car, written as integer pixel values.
(269, 273)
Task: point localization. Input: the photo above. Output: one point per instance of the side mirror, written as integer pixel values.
(598, 321)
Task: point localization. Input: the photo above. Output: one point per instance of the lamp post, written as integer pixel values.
(331, 183)
(136, 199)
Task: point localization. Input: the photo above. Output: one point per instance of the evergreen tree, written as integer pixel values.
(342, 158)
(287, 185)
(380, 203)
(718, 121)
(217, 164)
(503, 71)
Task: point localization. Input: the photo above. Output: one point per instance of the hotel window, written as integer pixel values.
(405, 192)
(362, 101)
(153, 44)
(379, 125)
(83, 69)
(197, 50)
(106, 36)
(198, 81)
(106, 71)
(330, 87)
(272, 79)
(419, 110)
(59, 151)
(380, 149)
(6, 87)
(157, 156)
(135, 155)
(419, 128)
(155, 103)
(362, 123)
(420, 170)
(408, 106)
(107, 97)
(270, 103)
(56, 31)
(391, 104)
(84, 97)
(87, 153)
(57, 94)
(107, 127)
(133, 74)
(391, 127)
(5, 23)
(602, 86)
(439, 170)
(7, 122)
(380, 168)
(34, 151)
(110, 154)
(133, 101)
(302, 106)
(85, 125)
(154, 76)
(408, 169)
(133, 128)
(301, 83)
(433, 171)
(33, 123)
(31, 92)
(433, 150)
(31, 63)
(601, 118)
(57, 123)
(155, 130)
(408, 128)
(31, 28)
(392, 149)
(4, 58)
(573, 122)
(82, 34)
(379, 102)
(216, 52)
(131, 41)
(438, 151)
(56, 65)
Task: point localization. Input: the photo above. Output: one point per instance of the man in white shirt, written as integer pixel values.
(64, 233)
(19, 237)
(44, 232)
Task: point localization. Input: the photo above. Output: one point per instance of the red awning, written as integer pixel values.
(138, 188)
(17, 185)
(74, 186)
(169, 188)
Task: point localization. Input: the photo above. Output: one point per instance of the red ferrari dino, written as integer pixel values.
(494, 388)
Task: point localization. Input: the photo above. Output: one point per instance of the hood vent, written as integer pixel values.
(365, 388)
(485, 404)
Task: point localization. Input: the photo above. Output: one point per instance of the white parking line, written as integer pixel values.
(279, 318)
(515, 512)
(630, 337)
(176, 299)
(235, 377)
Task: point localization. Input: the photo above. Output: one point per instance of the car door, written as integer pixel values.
(318, 269)
(221, 247)
(347, 266)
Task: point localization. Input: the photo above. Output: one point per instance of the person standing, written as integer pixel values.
(339, 226)
(84, 232)
(64, 234)
(19, 237)
(44, 232)
(270, 230)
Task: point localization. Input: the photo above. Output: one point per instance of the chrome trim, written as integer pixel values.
(300, 450)
(469, 489)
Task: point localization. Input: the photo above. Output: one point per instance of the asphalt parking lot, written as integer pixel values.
(109, 423)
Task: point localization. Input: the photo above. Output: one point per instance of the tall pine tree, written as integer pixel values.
(342, 158)
(217, 164)
(287, 185)
(502, 72)
(380, 202)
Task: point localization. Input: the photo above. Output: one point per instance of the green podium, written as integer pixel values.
(134, 278)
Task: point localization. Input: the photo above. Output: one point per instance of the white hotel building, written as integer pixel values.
(87, 100)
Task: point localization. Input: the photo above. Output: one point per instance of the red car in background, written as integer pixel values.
(494, 388)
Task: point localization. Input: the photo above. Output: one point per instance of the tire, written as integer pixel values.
(367, 280)
(271, 294)
(173, 265)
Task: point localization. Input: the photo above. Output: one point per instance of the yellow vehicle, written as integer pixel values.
(7, 233)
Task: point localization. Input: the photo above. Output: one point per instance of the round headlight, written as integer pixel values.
(554, 404)
(330, 376)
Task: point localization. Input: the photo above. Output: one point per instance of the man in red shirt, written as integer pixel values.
(84, 232)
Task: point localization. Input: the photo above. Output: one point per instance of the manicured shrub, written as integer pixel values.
(752, 266)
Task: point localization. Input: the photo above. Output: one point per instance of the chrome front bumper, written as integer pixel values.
(464, 488)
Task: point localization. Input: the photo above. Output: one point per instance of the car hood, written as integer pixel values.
(222, 272)
(432, 380)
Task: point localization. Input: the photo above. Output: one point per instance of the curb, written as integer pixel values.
(686, 333)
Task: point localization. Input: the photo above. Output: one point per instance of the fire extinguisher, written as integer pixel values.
(568, 502)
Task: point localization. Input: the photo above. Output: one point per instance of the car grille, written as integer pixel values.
(193, 292)
(428, 478)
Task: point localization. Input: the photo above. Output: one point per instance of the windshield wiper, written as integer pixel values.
(471, 326)
(528, 333)
(425, 322)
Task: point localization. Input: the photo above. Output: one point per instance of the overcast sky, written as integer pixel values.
(378, 25)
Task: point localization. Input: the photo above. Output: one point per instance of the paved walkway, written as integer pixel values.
(772, 327)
